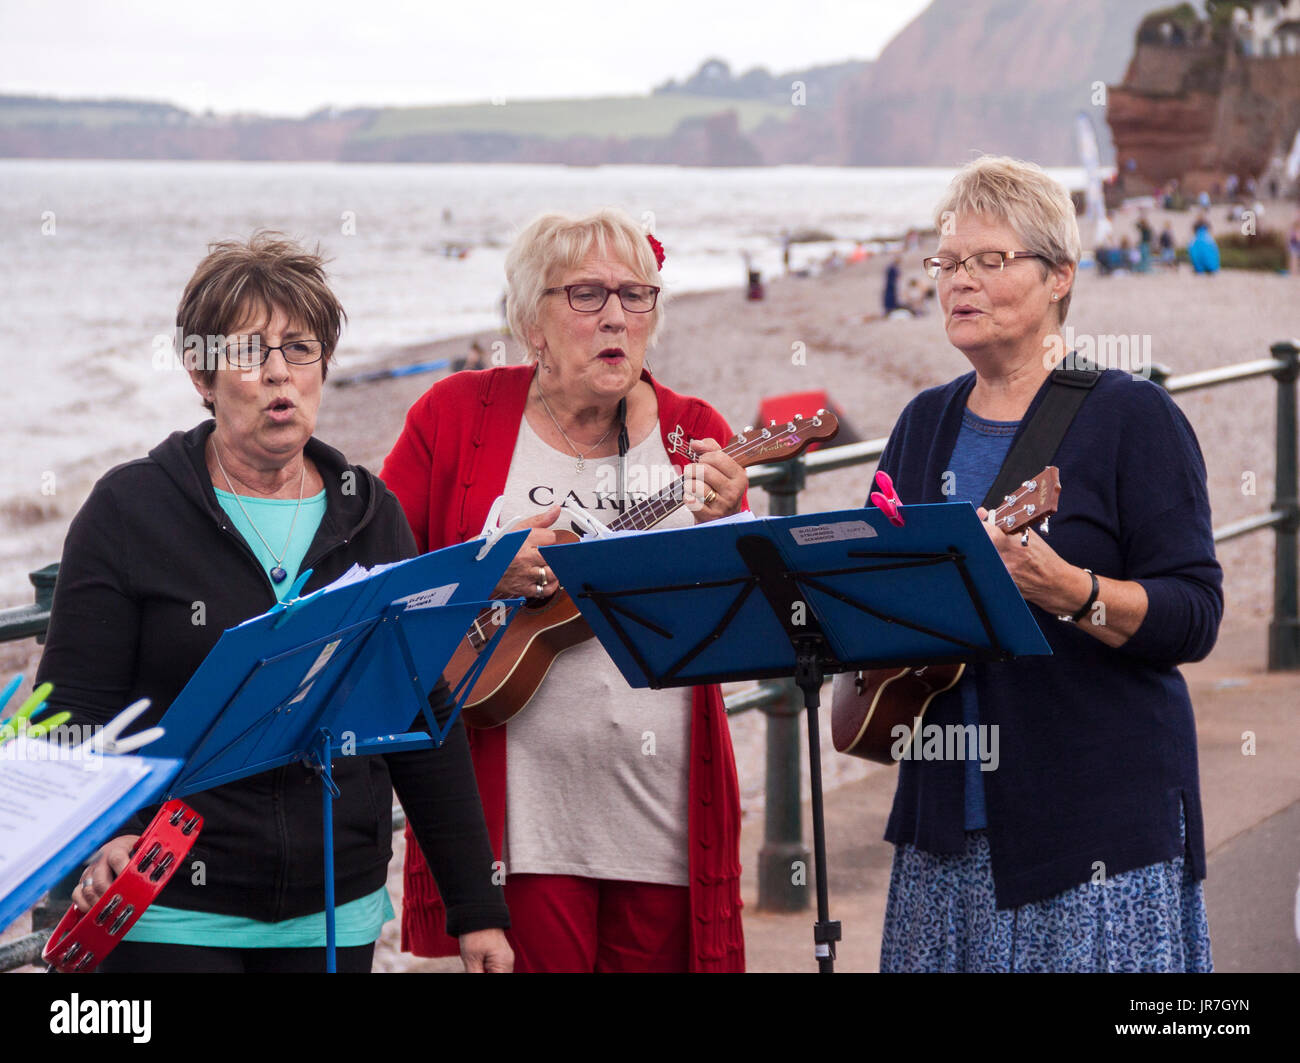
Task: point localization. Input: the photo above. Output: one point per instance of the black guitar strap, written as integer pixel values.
(1037, 444)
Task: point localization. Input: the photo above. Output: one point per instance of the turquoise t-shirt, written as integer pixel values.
(358, 922)
(274, 517)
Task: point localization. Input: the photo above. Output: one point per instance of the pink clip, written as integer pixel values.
(888, 501)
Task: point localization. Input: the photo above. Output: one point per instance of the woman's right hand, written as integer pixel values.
(109, 862)
(528, 569)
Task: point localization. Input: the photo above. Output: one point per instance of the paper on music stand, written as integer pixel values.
(57, 805)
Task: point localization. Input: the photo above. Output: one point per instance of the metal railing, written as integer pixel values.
(782, 702)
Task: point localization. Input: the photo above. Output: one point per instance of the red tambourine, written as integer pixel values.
(80, 942)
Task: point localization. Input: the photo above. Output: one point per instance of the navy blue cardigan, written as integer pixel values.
(1097, 745)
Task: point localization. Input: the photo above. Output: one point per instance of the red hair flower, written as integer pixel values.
(658, 249)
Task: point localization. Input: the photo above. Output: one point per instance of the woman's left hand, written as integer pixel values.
(1042, 576)
(715, 485)
(1046, 579)
(486, 952)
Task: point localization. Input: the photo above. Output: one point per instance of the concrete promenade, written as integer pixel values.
(1252, 817)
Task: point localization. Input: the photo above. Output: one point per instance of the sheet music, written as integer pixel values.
(48, 796)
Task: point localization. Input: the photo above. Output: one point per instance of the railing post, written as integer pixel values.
(42, 581)
(1284, 630)
(779, 888)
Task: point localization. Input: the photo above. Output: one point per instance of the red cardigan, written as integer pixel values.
(447, 468)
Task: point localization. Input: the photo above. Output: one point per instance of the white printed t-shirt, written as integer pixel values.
(596, 772)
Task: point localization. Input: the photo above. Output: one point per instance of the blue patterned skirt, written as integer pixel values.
(941, 916)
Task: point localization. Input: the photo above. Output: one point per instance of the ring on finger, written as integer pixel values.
(710, 496)
(541, 576)
(87, 882)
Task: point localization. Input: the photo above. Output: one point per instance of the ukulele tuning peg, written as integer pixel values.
(1045, 520)
(748, 428)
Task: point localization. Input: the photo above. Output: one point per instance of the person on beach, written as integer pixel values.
(226, 516)
(1084, 848)
(613, 860)
(890, 298)
(1168, 249)
(1203, 251)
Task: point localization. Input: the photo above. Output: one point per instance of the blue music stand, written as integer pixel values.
(806, 596)
(356, 663)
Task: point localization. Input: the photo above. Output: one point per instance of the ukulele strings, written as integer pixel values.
(669, 498)
(660, 505)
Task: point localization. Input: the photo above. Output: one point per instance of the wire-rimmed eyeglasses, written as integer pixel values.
(938, 266)
(249, 353)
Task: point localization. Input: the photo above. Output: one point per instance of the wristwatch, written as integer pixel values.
(1076, 617)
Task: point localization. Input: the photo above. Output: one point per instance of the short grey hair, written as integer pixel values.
(1023, 196)
(555, 243)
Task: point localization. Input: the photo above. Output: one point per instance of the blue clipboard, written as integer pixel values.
(75, 852)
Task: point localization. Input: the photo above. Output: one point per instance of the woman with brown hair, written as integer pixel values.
(208, 530)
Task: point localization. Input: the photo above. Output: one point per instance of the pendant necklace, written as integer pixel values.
(582, 458)
(278, 573)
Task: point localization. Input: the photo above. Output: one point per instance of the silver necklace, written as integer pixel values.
(582, 458)
(278, 574)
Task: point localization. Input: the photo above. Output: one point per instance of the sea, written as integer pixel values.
(94, 256)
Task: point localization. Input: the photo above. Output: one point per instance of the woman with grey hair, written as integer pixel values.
(1082, 848)
(614, 859)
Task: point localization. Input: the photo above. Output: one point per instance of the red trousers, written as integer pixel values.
(567, 924)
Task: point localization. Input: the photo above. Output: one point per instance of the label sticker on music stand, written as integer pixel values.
(812, 534)
(430, 599)
(322, 659)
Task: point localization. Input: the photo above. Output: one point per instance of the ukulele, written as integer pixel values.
(869, 707)
(543, 629)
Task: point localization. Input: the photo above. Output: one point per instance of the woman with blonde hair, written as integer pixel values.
(615, 859)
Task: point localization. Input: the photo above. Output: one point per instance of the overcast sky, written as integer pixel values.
(291, 58)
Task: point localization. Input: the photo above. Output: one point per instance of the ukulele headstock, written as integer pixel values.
(1031, 503)
(780, 442)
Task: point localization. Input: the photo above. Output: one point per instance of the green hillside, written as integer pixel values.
(37, 110)
(612, 116)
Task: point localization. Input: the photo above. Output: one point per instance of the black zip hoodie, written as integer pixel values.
(152, 573)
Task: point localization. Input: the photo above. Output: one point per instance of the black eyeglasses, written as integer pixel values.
(250, 353)
(980, 262)
(588, 298)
